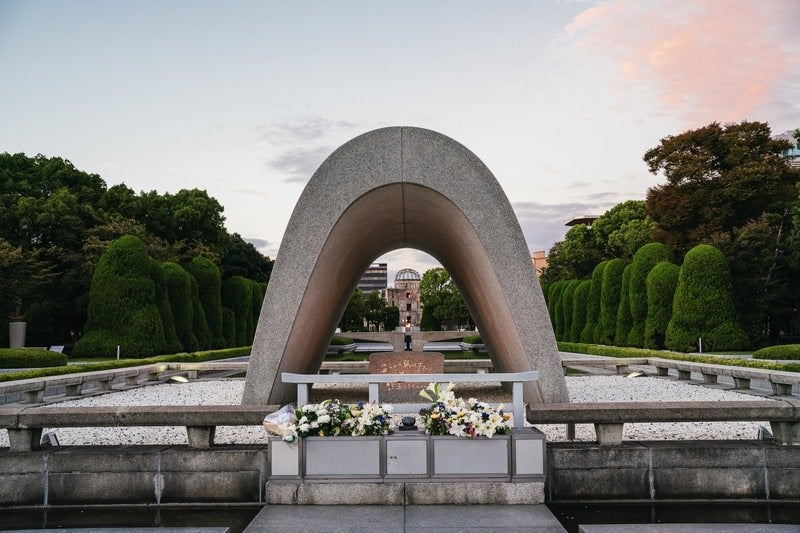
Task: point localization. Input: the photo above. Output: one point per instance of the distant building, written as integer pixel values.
(374, 279)
(405, 296)
(586, 220)
(539, 260)
(792, 155)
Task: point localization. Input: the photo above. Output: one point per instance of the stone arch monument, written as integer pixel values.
(391, 188)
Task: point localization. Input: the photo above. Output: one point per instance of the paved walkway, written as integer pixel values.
(398, 518)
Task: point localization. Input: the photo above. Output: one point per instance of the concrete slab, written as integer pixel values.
(410, 518)
(533, 518)
(690, 528)
(328, 518)
(126, 530)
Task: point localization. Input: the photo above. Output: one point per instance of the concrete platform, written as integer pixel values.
(690, 528)
(409, 518)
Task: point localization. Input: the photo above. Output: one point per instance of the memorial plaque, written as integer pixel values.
(405, 363)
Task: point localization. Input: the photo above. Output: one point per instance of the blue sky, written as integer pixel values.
(245, 99)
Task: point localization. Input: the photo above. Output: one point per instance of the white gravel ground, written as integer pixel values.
(581, 390)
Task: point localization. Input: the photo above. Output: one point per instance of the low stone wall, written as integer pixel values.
(634, 471)
(672, 470)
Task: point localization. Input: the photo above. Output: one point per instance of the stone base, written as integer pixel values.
(398, 493)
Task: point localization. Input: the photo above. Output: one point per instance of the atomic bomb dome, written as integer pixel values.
(407, 274)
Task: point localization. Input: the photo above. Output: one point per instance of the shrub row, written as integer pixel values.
(30, 358)
(194, 357)
(650, 303)
(619, 351)
(149, 308)
(783, 351)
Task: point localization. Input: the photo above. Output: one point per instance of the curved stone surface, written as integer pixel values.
(391, 188)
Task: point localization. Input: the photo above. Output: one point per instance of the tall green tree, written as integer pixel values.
(623, 229)
(353, 316)
(717, 179)
(440, 296)
(573, 258)
(730, 186)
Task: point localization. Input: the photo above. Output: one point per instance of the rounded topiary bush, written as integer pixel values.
(172, 344)
(624, 320)
(229, 326)
(259, 290)
(199, 324)
(567, 300)
(661, 283)
(237, 295)
(703, 306)
(593, 304)
(554, 307)
(611, 289)
(209, 283)
(782, 351)
(579, 300)
(644, 260)
(179, 289)
(123, 309)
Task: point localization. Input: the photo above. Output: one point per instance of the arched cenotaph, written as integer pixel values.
(391, 188)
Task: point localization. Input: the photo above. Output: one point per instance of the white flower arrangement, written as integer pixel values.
(448, 415)
(331, 418)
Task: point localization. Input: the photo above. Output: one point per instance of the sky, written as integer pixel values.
(245, 99)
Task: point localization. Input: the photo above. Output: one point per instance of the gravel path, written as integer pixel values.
(581, 389)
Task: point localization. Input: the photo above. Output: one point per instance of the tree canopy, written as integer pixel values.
(441, 298)
(56, 221)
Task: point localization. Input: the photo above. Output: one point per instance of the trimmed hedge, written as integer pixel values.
(199, 324)
(179, 289)
(195, 357)
(554, 307)
(644, 260)
(209, 282)
(617, 351)
(473, 339)
(661, 284)
(579, 300)
(593, 304)
(624, 319)
(30, 358)
(783, 351)
(123, 307)
(611, 289)
(172, 344)
(228, 325)
(567, 300)
(703, 305)
(237, 295)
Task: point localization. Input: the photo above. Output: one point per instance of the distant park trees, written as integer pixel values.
(729, 210)
(56, 222)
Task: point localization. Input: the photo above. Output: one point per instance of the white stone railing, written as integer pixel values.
(304, 382)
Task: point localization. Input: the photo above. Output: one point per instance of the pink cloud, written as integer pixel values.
(710, 60)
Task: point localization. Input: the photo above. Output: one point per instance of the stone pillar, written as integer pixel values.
(16, 334)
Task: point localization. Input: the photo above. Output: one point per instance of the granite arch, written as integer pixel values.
(401, 187)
